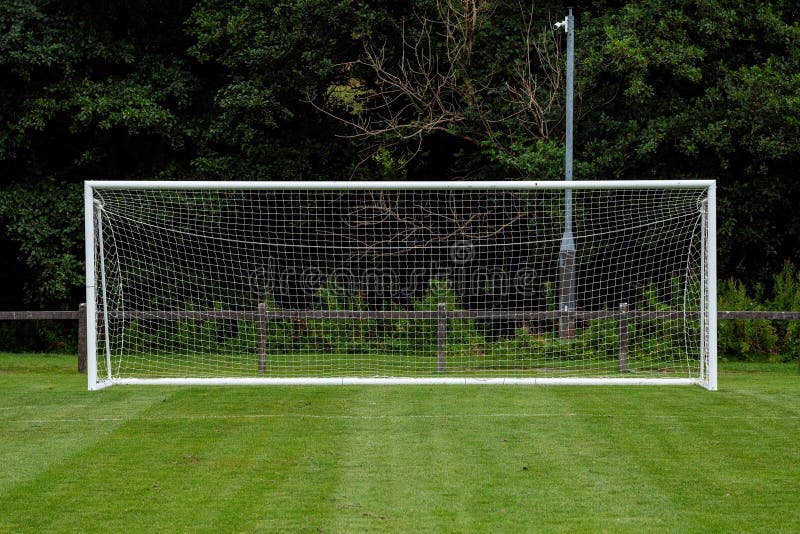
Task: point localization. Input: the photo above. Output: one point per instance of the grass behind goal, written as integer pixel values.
(304, 459)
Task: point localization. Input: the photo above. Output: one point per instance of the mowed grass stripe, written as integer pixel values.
(466, 475)
(545, 473)
(405, 473)
(38, 429)
(209, 476)
(343, 459)
(708, 465)
(576, 479)
(256, 416)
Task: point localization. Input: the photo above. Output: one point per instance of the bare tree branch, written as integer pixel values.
(434, 87)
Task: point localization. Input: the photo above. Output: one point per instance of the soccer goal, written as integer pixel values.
(501, 282)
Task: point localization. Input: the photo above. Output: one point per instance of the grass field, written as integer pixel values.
(344, 459)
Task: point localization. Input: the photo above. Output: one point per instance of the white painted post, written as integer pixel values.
(91, 302)
(436, 185)
(703, 291)
(103, 286)
(711, 254)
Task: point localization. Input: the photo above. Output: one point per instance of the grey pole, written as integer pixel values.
(566, 256)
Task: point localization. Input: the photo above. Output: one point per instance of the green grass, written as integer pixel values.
(344, 459)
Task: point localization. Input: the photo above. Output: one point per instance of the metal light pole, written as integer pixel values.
(566, 256)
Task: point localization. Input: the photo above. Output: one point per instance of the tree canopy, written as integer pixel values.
(296, 89)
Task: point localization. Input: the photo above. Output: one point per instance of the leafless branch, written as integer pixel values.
(432, 87)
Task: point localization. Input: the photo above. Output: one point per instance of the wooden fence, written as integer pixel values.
(77, 315)
(441, 315)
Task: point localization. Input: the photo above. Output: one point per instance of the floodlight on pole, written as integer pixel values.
(566, 257)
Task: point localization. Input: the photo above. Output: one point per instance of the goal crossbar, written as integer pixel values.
(431, 185)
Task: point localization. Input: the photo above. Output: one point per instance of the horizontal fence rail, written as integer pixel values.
(511, 315)
(441, 315)
(38, 315)
(57, 315)
(755, 315)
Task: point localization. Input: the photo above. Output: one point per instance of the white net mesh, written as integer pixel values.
(397, 283)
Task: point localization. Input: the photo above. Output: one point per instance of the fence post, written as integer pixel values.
(441, 336)
(262, 337)
(82, 338)
(623, 336)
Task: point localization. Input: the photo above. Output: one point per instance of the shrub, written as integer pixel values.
(786, 297)
(749, 340)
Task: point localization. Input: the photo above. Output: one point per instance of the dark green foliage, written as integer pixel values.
(761, 339)
(39, 336)
(262, 62)
(704, 89)
(92, 89)
(46, 220)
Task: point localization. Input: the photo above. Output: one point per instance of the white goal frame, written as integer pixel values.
(707, 377)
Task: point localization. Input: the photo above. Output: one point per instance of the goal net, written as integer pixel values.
(393, 282)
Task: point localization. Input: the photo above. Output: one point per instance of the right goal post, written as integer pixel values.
(399, 282)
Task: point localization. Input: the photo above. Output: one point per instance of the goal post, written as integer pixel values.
(432, 282)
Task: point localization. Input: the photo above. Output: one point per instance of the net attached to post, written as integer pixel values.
(249, 283)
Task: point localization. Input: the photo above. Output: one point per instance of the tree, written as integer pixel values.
(90, 89)
(701, 90)
(261, 62)
(222, 89)
(487, 77)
